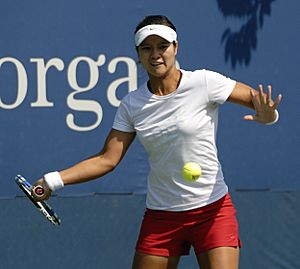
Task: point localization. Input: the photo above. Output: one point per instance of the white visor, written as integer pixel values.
(163, 31)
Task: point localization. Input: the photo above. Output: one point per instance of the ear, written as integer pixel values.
(175, 43)
(138, 53)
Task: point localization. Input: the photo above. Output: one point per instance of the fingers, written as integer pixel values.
(260, 98)
(269, 95)
(270, 102)
(265, 98)
(255, 100)
(263, 104)
(249, 117)
(277, 102)
(40, 191)
(261, 94)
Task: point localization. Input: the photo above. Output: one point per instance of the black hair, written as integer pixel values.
(155, 19)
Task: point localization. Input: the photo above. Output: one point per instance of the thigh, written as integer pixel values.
(221, 257)
(145, 261)
(218, 227)
(162, 233)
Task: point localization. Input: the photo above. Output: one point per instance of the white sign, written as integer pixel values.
(73, 103)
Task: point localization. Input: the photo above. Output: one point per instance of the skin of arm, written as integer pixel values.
(115, 147)
(118, 142)
(241, 95)
(261, 102)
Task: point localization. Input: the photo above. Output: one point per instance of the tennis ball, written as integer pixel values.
(191, 171)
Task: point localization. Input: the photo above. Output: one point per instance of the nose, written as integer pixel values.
(155, 54)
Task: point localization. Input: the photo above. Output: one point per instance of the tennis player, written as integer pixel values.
(175, 116)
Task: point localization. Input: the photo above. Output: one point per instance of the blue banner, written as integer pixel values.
(65, 66)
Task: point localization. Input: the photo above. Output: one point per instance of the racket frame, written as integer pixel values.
(42, 206)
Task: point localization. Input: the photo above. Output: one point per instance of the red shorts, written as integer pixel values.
(167, 233)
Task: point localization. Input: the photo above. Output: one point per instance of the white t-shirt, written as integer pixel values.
(175, 129)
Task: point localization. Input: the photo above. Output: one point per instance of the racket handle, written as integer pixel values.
(39, 191)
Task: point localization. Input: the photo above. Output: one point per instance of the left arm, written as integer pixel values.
(261, 102)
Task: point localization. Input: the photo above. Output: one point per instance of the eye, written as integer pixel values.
(145, 48)
(164, 46)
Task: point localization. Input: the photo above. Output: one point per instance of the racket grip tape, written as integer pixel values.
(39, 191)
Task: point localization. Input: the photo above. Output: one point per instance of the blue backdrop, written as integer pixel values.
(65, 65)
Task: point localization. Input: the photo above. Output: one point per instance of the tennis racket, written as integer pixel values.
(42, 206)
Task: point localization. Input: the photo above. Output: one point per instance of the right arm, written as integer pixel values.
(115, 147)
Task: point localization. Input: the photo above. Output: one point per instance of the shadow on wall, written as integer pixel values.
(241, 43)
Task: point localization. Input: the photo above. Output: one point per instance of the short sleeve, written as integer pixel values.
(219, 87)
(122, 121)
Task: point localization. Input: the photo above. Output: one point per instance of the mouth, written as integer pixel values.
(155, 64)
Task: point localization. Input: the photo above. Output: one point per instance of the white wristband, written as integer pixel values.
(276, 119)
(54, 181)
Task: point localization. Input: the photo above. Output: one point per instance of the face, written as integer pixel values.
(157, 55)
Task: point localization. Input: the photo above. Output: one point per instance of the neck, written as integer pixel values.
(165, 85)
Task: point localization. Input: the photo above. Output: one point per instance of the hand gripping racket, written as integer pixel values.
(42, 206)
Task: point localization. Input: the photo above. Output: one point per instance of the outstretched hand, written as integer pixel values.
(264, 106)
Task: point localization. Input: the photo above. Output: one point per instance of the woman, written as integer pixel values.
(175, 116)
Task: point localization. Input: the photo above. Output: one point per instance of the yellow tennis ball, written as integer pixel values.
(191, 171)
